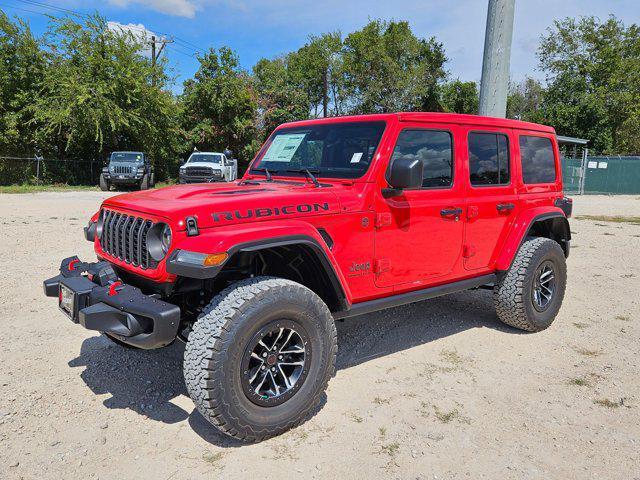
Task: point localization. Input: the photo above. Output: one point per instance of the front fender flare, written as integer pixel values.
(521, 228)
(233, 239)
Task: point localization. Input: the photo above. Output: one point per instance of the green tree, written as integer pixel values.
(460, 97)
(525, 100)
(593, 75)
(22, 64)
(389, 69)
(317, 68)
(220, 105)
(97, 95)
(280, 98)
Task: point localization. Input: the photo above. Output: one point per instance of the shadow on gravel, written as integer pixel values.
(146, 381)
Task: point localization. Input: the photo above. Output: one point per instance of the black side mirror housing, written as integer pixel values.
(406, 173)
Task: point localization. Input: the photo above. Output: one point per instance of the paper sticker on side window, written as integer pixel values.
(283, 147)
(356, 157)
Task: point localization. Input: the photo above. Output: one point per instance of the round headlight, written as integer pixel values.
(166, 238)
(159, 241)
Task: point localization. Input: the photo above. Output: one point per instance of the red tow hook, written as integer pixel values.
(72, 264)
(112, 288)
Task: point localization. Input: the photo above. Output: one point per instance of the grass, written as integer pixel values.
(605, 402)
(213, 458)
(624, 318)
(60, 187)
(381, 401)
(580, 325)
(57, 187)
(451, 356)
(580, 382)
(610, 218)
(383, 431)
(448, 417)
(588, 352)
(391, 449)
(355, 417)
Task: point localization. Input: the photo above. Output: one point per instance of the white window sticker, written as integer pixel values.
(592, 165)
(283, 147)
(602, 164)
(356, 157)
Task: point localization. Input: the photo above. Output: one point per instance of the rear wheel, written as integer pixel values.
(260, 357)
(104, 184)
(530, 294)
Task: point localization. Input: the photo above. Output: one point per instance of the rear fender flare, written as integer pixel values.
(524, 225)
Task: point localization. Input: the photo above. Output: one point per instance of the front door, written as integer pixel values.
(492, 201)
(419, 233)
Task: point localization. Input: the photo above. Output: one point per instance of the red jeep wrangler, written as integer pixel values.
(334, 218)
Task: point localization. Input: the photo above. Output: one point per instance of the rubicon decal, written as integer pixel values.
(271, 211)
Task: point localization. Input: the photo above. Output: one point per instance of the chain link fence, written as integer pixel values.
(39, 170)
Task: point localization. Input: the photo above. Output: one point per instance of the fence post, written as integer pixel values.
(38, 169)
(583, 173)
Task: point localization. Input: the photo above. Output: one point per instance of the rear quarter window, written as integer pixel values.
(538, 160)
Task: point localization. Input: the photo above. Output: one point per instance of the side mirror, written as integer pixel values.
(182, 161)
(406, 173)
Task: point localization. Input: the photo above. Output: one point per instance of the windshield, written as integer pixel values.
(126, 157)
(338, 150)
(205, 157)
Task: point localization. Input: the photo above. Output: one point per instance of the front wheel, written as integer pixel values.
(530, 294)
(104, 184)
(259, 357)
(144, 184)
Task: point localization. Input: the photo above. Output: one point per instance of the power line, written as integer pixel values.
(22, 9)
(52, 7)
(185, 44)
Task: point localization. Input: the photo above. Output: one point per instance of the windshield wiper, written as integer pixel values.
(267, 173)
(309, 175)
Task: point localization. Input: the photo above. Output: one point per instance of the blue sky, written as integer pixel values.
(258, 29)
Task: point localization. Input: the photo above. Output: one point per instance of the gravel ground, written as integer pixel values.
(437, 389)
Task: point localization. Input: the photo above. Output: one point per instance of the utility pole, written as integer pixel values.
(494, 85)
(155, 55)
(325, 92)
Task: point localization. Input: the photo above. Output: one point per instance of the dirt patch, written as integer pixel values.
(433, 389)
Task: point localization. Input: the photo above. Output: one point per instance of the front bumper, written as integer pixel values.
(101, 302)
(182, 178)
(123, 178)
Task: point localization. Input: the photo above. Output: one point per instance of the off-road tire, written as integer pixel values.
(513, 294)
(217, 343)
(144, 183)
(104, 185)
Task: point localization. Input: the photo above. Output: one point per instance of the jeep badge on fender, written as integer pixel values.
(335, 217)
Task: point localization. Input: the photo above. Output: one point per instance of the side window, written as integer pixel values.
(538, 162)
(434, 148)
(488, 159)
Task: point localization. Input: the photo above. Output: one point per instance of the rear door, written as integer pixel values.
(492, 200)
(419, 233)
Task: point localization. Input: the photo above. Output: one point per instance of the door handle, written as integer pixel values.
(505, 207)
(451, 212)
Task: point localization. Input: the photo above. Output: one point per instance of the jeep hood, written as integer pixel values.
(218, 204)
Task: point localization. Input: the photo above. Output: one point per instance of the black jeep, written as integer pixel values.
(127, 169)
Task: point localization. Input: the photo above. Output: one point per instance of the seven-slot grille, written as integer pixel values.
(122, 169)
(199, 171)
(125, 237)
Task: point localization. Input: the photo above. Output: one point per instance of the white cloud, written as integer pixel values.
(179, 8)
(139, 31)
